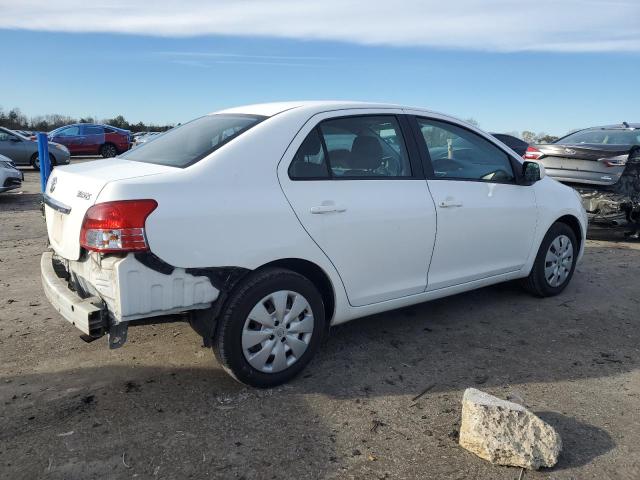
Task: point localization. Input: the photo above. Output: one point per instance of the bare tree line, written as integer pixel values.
(14, 119)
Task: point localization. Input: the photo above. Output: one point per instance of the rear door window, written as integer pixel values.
(310, 161)
(352, 148)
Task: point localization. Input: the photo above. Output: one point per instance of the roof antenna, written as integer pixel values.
(625, 124)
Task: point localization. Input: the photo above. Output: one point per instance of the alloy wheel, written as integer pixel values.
(110, 151)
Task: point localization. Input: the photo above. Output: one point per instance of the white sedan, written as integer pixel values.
(10, 177)
(270, 223)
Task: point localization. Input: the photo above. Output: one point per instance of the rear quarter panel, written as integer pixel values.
(120, 140)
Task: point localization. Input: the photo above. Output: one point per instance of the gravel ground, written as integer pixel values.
(161, 407)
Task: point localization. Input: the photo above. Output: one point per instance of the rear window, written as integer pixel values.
(602, 137)
(187, 144)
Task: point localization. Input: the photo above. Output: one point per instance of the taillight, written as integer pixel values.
(116, 226)
(532, 153)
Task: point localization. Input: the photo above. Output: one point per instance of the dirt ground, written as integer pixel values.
(161, 407)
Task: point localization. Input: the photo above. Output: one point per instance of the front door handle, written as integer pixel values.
(450, 203)
(322, 209)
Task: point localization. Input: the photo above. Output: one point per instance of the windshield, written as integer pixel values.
(602, 137)
(185, 145)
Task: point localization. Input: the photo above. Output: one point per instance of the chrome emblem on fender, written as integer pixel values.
(52, 187)
(83, 195)
(569, 151)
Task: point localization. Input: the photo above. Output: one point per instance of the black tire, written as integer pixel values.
(36, 164)
(227, 341)
(108, 150)
(537, 283)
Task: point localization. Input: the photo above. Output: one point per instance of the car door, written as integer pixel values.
(70, 137)
(13, 147)
(357, 187)
(92, 138)
(486, 219)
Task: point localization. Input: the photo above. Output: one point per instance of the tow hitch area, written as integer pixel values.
(118, 335)
(89, 315)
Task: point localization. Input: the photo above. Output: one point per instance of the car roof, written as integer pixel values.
(312, 107)
(619, 126)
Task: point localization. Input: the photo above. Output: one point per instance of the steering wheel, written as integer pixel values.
(390, 166)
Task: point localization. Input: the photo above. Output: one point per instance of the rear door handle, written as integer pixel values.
(450, 203)
(322, 209)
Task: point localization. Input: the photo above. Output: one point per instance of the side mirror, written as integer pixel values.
(532, 172)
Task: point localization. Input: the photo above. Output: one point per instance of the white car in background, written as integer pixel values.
(10, 177)
(269, 223)
(139, 140)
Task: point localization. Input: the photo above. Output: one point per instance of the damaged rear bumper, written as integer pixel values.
(86, 314)
(101, 294)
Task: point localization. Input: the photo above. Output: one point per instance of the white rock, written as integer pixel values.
(506, 433)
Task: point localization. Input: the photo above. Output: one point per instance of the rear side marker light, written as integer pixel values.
(116, 226)
(532, 153)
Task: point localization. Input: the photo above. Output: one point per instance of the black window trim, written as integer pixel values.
(415, 162)
(516, 165)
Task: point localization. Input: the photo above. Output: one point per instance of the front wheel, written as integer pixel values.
(270, 328)
(555, 262)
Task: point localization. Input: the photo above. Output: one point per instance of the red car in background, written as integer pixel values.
(92, 139)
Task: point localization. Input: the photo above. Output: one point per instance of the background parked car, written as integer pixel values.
(603, 164)
(10, 176)
(514, 143)
(142, 139)
(24, 151)
(92, 139)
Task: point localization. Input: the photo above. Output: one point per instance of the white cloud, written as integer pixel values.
(493, 25)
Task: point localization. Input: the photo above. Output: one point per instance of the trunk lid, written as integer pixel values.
(72, 189)
(582, 163)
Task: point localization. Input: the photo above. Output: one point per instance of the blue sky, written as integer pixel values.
(563, 82)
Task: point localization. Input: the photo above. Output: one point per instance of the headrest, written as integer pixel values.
(366, 153)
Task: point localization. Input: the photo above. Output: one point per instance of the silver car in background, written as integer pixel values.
(24, 151)
(10, 177)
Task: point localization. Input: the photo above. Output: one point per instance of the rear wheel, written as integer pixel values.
(555, 262)
(108, 150)
(270, 328)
